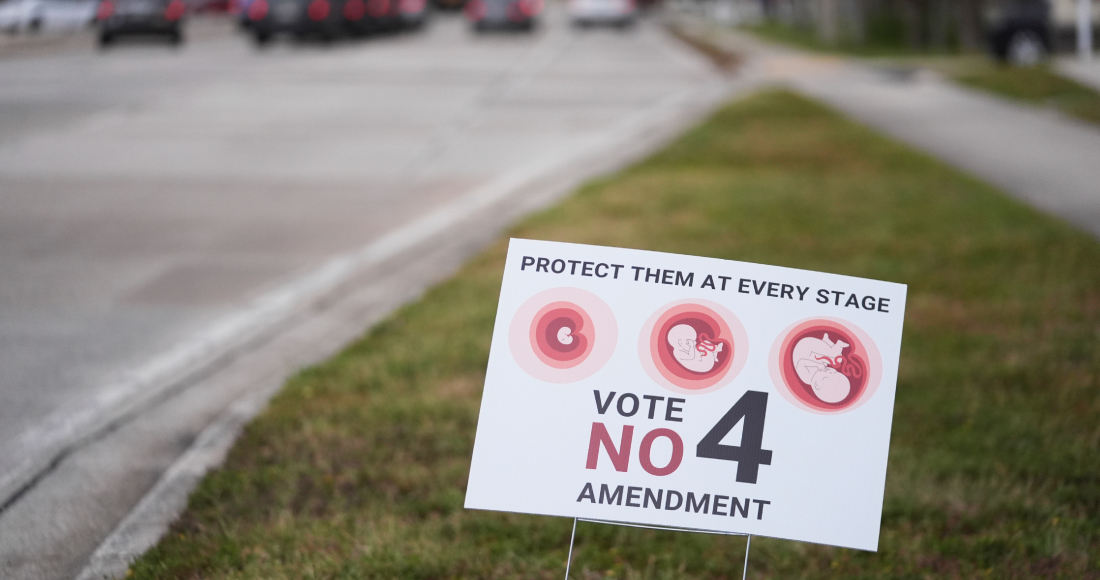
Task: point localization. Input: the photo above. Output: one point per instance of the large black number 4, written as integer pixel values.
(752, 406)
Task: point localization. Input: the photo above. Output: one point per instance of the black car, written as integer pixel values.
(1019, 31)
(140, 17)
(502, 14)
(301, 18)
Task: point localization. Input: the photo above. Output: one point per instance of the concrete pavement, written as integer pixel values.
(1049, 161)
(184, 228)
(1043, 158)
(1086, 73)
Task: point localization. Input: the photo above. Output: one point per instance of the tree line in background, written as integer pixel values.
(935, 25)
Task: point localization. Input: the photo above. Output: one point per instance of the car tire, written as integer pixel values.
(35, 25)
(176, 38)
(1025, 48)
(262, 39)
(105, 39)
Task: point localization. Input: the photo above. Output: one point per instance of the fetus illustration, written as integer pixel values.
(825, 365)
(694, 354)
(816, 361)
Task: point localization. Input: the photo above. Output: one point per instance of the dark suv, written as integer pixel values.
(1019, 31)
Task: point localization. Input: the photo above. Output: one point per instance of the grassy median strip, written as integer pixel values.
(358, 468)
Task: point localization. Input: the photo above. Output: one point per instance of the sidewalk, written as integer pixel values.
(1084, 73)
(1050, 161)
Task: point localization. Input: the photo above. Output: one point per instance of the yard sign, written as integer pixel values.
(689, 392)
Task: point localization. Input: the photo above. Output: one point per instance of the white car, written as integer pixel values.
(34, 15)
(616, 12)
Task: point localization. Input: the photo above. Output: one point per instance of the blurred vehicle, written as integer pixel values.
(412, 13)
(140, 18)
(1019, 30)
(34, 15)
(449, 4)
(621, 13)
(208, 6)
(321, 19)
(239, 9)
(1026, 31)
(372, 16)
(502, 14)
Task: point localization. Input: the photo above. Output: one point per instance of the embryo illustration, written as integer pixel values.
(695, 354)
(825, 365)
(562, 335)
(815, 361)
(693, 346)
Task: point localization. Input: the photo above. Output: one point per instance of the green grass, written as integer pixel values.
(357, 469)
(883, 40)
(1037, 85)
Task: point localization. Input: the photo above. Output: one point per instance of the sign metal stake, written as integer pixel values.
(569, 559)
(748, 544)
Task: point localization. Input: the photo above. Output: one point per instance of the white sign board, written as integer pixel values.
(672, 390)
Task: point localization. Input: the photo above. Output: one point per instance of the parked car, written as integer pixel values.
(503, 14)
(208, 6)
(1019, 30)
(34, 15)
(1025, 31)
(412, 13)
(239, 9)
(140, 18)
(620, 13)
(371, 16)
(322, 19)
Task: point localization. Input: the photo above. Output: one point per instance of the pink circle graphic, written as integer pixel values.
(693, 346)
(562, 335)
(825, 365)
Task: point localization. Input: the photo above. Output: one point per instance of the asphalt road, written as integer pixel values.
(161, 206)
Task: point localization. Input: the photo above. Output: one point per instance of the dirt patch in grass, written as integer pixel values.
(358, 468)
(725, 60)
